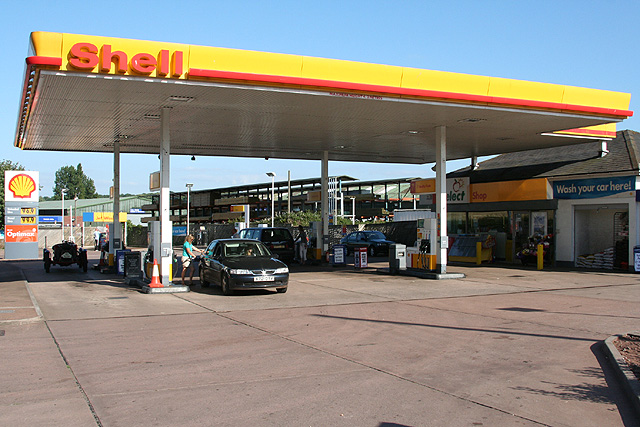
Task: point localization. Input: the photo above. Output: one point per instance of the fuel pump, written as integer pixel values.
(427, 235)
(315, 239)
(156, 250)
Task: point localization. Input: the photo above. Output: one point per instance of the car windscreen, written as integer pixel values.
(240, 249)
(376, 235)
(276, 235)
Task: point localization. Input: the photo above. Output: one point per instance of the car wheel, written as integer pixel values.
(281, 290)
(371, 251)
(226, 289)
(203, 282)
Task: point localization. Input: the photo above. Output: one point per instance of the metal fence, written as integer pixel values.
(400, 232)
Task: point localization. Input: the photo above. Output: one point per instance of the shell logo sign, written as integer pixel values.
(21, 186)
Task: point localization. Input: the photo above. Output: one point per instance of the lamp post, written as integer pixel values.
(273, 176)
(188, 201)
(63, 191)
(73, 219)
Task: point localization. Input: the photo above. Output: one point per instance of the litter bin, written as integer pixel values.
(636, 259)
(120, 260)
(133, 265)
(397, 258)
(360, 257)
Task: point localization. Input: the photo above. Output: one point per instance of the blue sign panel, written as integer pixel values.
(87, 217)
(136, 211)
(593, 188)
(179, 230)
(49, 219)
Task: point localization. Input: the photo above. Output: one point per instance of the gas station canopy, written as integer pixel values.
(82, 93)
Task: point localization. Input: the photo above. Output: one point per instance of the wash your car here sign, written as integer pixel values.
(593, 188)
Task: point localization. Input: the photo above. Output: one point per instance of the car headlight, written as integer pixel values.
(282, 270)
(235, 271)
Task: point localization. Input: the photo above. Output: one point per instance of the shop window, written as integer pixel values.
(456, 222)
(480, 222)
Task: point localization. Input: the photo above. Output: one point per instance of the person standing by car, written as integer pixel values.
(302, 245)
(187, 258)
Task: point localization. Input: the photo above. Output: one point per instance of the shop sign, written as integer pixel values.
(314, 196)
(423, 186)
(102, 217)
(510, 191)
(179, 230)
(49, 219)
(457, 188)
(593, 188)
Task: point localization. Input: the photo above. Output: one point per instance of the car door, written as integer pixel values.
(352, 241)
(216, 264)
(205, 263)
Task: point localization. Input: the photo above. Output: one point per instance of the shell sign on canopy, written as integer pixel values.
(21, 186)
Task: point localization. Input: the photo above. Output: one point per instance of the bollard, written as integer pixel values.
(478, 253)
(540, 256)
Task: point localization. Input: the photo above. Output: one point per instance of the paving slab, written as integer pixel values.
(209, 369)
(37, 386)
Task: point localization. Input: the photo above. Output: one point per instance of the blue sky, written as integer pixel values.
(587, 44)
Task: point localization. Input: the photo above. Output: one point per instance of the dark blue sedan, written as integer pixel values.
(375, 242)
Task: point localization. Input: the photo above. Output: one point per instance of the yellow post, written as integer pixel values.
(540, 256)
(478, 253)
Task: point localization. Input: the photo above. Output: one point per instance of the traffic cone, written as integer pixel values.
(155, 276)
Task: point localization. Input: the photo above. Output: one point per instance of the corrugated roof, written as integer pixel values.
(577, 159)
(86, 204)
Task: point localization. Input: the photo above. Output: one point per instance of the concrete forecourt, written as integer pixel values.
(503, 346)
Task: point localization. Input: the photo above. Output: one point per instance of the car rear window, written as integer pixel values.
(277, 235)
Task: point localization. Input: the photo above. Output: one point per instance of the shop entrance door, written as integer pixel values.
(521, 227)
(601, 236)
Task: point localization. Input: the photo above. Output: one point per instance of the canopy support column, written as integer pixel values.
(166, 232)
(115, 234)
(324, 201)
(441, 199)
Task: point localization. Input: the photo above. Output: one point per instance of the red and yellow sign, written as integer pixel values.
(21, 186)
(170, 60)
(21, 234)
(423, 186)
(108, 217)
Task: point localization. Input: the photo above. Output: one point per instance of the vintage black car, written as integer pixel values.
(236, 264)
(65, 254)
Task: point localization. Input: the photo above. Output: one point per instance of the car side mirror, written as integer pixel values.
(276, 256)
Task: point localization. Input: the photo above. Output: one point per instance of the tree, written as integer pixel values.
(75, 181)
(6, 165)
